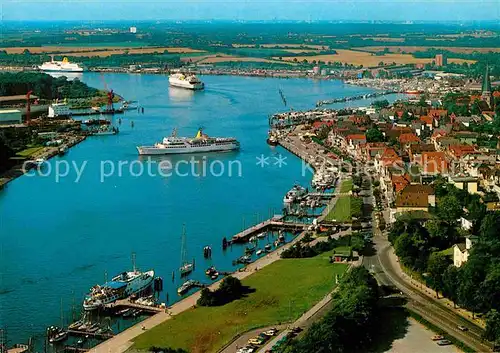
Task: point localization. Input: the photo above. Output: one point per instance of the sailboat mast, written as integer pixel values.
(62, 319)
(183, 245)
(133, 262)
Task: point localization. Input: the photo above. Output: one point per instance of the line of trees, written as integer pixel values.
(44, 86)
(349, 326)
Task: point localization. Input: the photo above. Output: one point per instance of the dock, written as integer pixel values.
(275, 222)
(101, 336)
(75, 349)
(125, 303)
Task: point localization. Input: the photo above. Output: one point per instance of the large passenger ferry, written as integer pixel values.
(186, 81)
(200, 143)
(121, 286)
(60, 66)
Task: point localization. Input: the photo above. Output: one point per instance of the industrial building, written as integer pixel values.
(10, 116)
(58, 110)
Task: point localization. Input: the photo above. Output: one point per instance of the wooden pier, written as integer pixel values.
(125, 303)
(101, 336)
(275, 222)
(75, 349)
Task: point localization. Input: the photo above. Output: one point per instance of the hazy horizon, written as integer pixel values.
(251, 10)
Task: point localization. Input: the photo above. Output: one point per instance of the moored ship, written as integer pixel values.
(200, 143)
(186, 81)
(60, 66)
(121, 286)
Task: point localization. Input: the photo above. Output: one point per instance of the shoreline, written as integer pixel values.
(19, 170)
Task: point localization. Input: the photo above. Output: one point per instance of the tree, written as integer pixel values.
(379, 104)
(436, 266)
(449, 209)
(451, 283)
(492, 331)
(374, 135)
(490, 289)
(490, 226)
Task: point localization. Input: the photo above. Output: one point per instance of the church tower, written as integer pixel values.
(486, 89)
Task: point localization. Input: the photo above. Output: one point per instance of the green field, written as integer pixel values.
(346, 186)
(82, 43)
(29, 151)
(283, 291)
(341, 211)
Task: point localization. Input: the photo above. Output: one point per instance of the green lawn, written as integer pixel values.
(29, 151)
(447, 252)
(341, 211)
(283, 291)
(346, 186)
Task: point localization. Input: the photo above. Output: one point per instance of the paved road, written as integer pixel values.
(385, 267)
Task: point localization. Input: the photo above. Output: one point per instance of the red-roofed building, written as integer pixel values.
(319, 124)
(434, 163)
(459, 151)
(429, 121)
(408, 139)
(496, 94)
(356, 139)
(438, 113)
(399, 182)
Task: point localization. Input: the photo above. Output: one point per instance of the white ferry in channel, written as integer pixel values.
(121, 286)
(60, 66)
(186, 81)
(200, 143)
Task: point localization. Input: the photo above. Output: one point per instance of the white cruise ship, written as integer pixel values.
(200, 143)
(60, 66)
(121, 286)
(186, 81)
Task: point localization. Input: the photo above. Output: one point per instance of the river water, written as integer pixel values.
(58, 237)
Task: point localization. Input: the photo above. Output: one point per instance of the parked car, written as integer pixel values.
(437, 338)
(271, 332)
(443, 343)
(462, 328)
(297, 329)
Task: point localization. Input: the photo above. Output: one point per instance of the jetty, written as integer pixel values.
(276, 222)
(353, 98)
(100, 336)
(126, 303)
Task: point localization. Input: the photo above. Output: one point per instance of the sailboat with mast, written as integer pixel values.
(186, 267)
(121, 286)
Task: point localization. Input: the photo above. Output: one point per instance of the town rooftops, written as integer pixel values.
(356, 137)
(408, 138)
(404, 199)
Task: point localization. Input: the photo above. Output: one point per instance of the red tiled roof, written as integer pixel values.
(496, 94)
(412, 200)
(359, 137)
(437, 112)
(399, 182)
(434, 162)
(428, 120)
(461, 150)
(408, 138)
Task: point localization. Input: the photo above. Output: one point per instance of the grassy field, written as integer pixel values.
(342, 210)
(346, 186)
(412, 49)
(30, 151)
(283, 291)
(366, 59)
(210, 59)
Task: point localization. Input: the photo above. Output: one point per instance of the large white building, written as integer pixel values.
(10, 116)
(59, 110)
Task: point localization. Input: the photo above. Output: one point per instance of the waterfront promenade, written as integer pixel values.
(123, 341)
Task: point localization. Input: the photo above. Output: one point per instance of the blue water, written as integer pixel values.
(58, 238)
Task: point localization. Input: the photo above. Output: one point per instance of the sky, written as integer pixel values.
(354, 10)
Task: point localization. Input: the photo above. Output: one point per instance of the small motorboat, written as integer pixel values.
(123, 311)
(268, 248)
(261, 235)
(75, 325)
(129, 313)
(259, 252)
(252, 239)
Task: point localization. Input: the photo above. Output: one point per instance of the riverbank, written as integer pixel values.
(42, 153)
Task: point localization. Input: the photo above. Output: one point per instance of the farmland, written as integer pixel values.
(367, 59)
(412, 49)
